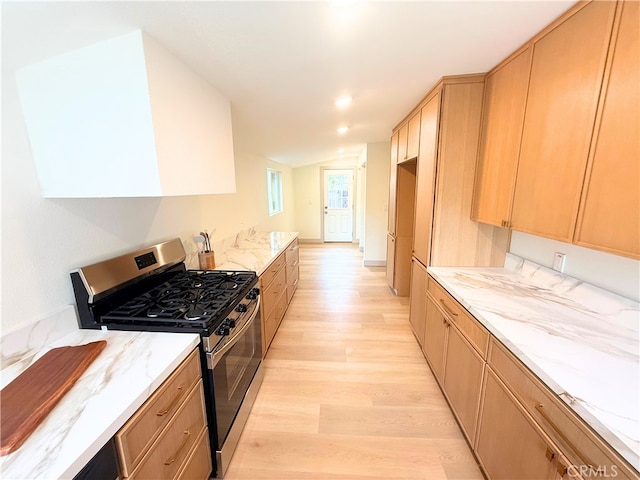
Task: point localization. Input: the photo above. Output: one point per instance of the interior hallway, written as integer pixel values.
(347, 392)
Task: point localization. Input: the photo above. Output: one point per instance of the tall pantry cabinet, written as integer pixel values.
(432, 193)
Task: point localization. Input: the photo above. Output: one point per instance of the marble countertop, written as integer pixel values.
(131, 367)
(251, 250)
(580, 340)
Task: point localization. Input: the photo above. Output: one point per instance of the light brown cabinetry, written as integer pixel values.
(393, 175)
(413, 137)
(568, 434)
(610, 211)
(292, 259)
(399, 246)
(168, 435)
(505, 95)
(425, 179)
(456, 345)
(456, 239)
(510, 446)
(278, 283)
(418, 305)
(403, 133)
(566, 76)
(434, 193)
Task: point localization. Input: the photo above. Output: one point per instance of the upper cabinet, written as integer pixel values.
(393, 175)
(425, 179)
(125, 118)
(609, 215)
(564, 86)
(503, 113)
(402, 142)
(413, 137)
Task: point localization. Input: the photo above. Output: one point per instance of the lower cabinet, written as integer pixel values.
(418, 304)
(278, 283)
(509, 445)
(167, 438)
(456, 364)
(517, 427)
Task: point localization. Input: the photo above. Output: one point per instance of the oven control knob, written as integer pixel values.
(253, 293)
(223, 330)
(241, 308)
(230, 323)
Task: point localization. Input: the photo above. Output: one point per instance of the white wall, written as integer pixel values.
(44, 239)
(307, 196)
(361, 206)
(611, 272)
(377, 203)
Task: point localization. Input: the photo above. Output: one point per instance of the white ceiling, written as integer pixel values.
(283, 64)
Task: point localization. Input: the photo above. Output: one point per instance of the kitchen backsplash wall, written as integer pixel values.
(44, 239)
(618, 274)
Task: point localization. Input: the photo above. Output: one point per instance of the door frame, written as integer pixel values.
(353, 203)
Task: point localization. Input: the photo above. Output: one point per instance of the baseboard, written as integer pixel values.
(375, 263)
(309, 240)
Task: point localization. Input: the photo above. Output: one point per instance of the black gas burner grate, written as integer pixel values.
(191, 299)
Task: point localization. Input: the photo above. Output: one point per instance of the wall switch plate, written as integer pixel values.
(559, 261)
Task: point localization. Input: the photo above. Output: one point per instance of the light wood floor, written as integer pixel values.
(347, 393)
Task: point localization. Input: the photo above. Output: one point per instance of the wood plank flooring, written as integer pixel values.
(347, 393)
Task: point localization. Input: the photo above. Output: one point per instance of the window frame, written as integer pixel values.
(274, 199)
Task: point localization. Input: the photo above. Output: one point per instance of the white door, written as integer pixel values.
(338, 205)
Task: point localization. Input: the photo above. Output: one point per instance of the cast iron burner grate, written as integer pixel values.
(191, 299)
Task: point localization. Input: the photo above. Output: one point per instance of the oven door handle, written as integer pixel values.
(214, 357)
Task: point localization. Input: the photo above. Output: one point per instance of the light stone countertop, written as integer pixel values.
(130, 368)
(581, 341)
(251, 250)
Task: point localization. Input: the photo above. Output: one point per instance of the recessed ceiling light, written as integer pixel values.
(344, 102)
(343, 129)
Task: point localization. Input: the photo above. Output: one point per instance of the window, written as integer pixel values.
(274, 191)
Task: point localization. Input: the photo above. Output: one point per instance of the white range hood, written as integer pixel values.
(125, 118)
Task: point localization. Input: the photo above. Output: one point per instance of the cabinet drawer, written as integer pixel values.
(198, 465)
(291, 254)
(268, 275)
(273, 319)
(137, 435)
(468, 325)
(170, 452)
(570, 433)
(292, 274)
(272, 293)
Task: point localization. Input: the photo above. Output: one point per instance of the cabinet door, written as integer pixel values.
(417, 303)
(435, 336)
(509, 445)
(505, 96)
(566, 76)
(610, 216)
(463, 380)
(413, 136)
(425, 179)
(391, 259)
(403, 132)
(393, 176)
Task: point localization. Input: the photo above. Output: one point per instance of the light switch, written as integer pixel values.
(559, 261)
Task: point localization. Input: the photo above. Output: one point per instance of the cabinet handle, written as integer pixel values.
(540, 409)
(444, 305)
(172, 404)
(550, 454)
(174, 457)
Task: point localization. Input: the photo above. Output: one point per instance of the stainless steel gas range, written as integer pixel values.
(151, 290)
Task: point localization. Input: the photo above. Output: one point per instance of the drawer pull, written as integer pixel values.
(172, 404)
(444, 305)
(174, 457)
(540, 409)
(550, 454)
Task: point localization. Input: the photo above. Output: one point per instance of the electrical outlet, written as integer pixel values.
(559, 261)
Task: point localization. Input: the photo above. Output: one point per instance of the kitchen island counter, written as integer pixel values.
(130, 368)
(251, 250)
(580, 340)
